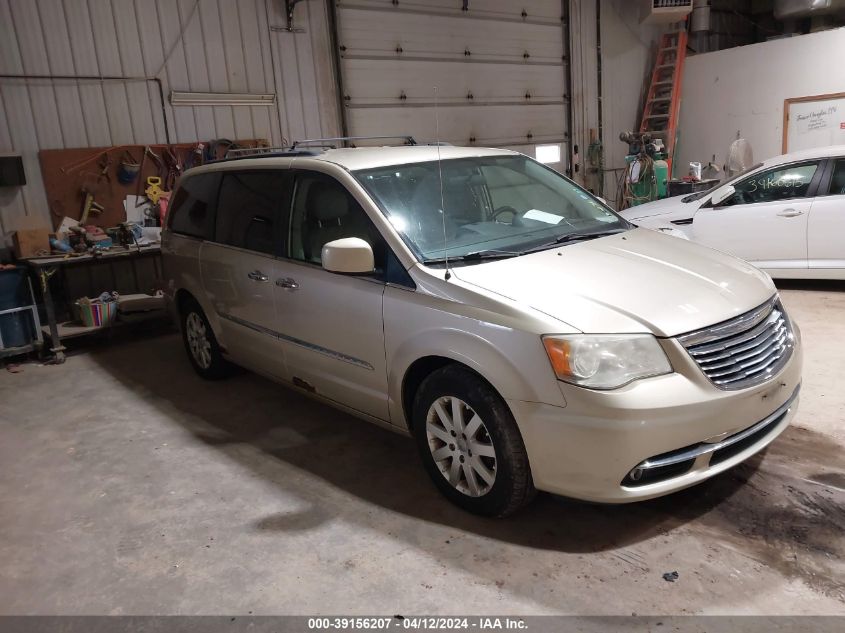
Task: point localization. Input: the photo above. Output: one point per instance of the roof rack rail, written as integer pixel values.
(257, 152)
(332, 142)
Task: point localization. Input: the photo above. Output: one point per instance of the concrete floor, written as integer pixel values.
(130, 486)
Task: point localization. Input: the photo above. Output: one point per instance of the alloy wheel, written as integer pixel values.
(461, 446)
(198, 341)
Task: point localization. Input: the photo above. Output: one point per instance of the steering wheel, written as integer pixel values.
(502, 210)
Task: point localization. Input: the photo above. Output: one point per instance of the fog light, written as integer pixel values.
(636, 474)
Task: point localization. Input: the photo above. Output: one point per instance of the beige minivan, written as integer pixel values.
(524, 334)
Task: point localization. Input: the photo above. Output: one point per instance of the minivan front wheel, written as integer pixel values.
(460, 446)
(201, 344)
(470, 444)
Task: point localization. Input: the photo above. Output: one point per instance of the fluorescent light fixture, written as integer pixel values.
(547, 153)
(220, 98)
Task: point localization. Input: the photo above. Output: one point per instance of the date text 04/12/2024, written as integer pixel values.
(417, 623)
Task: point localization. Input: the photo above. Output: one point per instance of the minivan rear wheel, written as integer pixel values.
(201, 344)
(470, 444)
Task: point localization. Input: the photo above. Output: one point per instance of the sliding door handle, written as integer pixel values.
(287, 283)
(257, 275)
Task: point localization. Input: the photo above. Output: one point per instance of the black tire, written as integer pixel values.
(512, 486)
(216, 367)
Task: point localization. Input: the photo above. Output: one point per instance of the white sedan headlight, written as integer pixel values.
(605, 361)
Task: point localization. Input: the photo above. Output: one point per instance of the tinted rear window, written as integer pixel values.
(249, 209)
(192, 209)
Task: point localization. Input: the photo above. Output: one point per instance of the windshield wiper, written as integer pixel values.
(495, 254)
(576, 237)
(475, 256)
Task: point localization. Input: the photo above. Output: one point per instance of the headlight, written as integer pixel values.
(605, 361)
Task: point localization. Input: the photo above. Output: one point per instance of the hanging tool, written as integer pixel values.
(195, 156)
(174, 169)
(140, 187)
(154, 189)
(104, 164)
(139, 200)
(128, 169)
(76, 165)
(89, 207)
(156, 159)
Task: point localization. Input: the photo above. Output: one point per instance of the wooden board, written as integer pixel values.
(814, 121)
(31, 242)
(67, 172)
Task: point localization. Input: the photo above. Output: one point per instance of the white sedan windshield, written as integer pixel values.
(496, 204)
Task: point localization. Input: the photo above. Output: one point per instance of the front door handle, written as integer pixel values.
(790, 213)
(287, 283)
(257, 275)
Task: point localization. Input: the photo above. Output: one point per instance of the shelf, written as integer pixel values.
(72, 329)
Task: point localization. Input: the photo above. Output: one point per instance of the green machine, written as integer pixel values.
(647, 171)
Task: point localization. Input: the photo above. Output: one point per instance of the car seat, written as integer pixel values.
(329, 216)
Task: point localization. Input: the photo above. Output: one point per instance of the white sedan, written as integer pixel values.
(785, 215)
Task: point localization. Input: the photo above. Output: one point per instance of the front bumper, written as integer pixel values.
(679, 429)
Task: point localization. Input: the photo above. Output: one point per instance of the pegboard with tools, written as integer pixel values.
(91, 184)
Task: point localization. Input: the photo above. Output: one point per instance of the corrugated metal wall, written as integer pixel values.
(239, 46)
(305, 80)
(628, 52)
(585, 97)
(190, 45)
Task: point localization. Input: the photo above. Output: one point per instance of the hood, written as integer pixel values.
(667, 210)
(638, 281)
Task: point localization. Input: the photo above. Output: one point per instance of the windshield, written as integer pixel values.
(494, 204)
(698, 195)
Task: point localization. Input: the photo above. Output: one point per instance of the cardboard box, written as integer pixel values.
(31, 242)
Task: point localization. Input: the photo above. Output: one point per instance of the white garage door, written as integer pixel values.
(498, 68)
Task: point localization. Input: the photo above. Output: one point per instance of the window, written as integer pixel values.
(248, 213)
(191, 211)
(461, 206)
(837, 180)
(324, 211)
(510, 188)
(782, 183)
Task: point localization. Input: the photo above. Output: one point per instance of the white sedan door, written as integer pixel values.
(826, 232)
(765, 221)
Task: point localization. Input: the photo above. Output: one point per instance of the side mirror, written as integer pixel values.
(350, 255)
(723, 194)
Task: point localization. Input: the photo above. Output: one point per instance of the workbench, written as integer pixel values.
(113, 263)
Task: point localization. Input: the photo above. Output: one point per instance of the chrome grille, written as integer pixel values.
(744, 351)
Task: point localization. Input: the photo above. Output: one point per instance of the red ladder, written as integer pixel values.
(663, 103)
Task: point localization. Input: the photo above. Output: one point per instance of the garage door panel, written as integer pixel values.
(448, 38)
(366, 82)
(489, 93)
(535, 10)
(495, 125)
